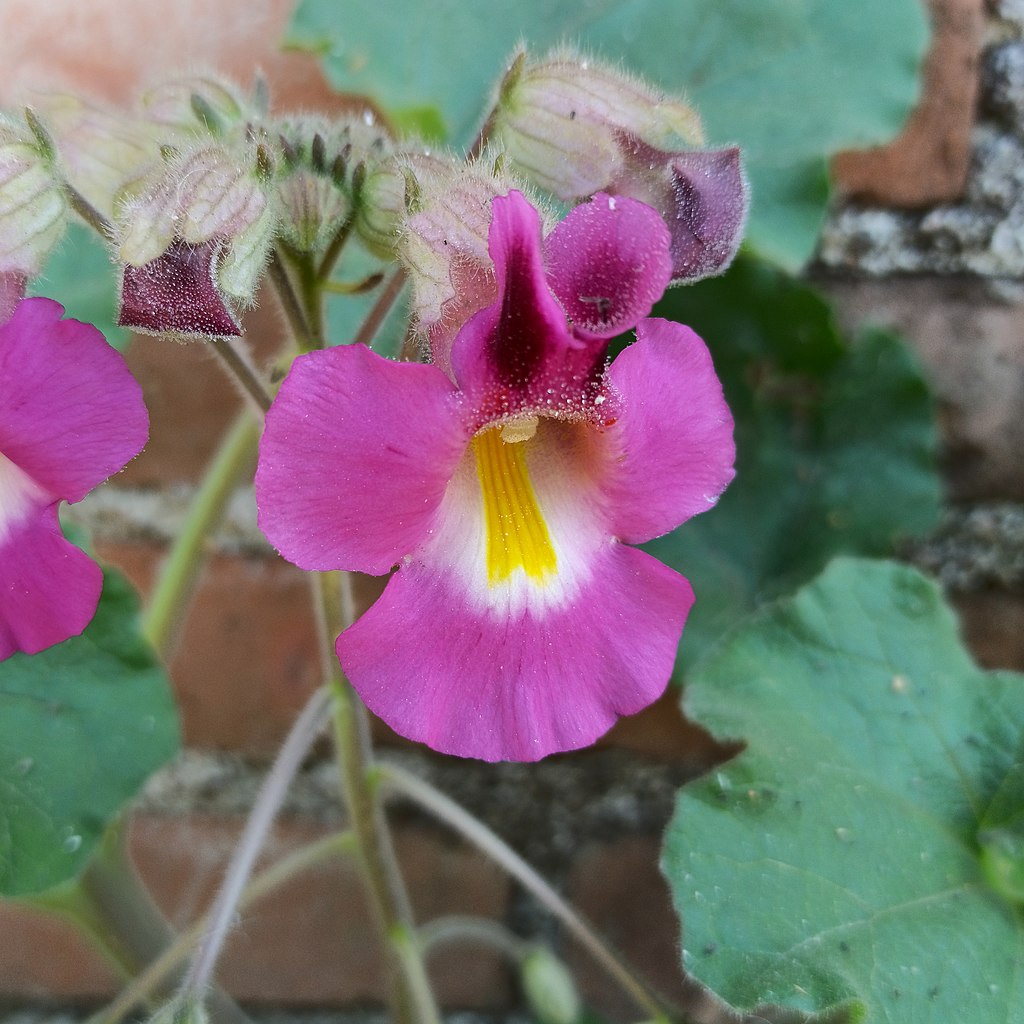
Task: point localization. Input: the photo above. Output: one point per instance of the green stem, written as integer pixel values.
(412, 997)
(174, 585)
(489, 842)
(162, 972)
(282, 282)
(466, 928)
(369, 327)
(110, 904)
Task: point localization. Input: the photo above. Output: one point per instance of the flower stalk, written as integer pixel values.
(173, 588)
(412, 997)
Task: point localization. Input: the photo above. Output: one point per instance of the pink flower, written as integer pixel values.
(71, 414)
(520, 622)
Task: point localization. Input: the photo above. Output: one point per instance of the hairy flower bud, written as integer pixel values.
(196, 103)
(325, 165)
(105, 156)
(33, 207)
(575, 127)
(558, 120)
(390, 193)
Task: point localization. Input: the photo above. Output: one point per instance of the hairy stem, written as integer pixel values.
(238, 366)
(412, 997)
(165, 967)
(290, 304)
(308, 726)
(174, 585)
(474, 830)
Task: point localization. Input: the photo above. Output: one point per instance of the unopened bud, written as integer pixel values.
(558, 121)
(33, 208)
(575, 128)
(549, 988)
(207, 193)
(192, 104)
(389, 194)
(312, 209)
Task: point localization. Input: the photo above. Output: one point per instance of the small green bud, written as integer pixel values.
(549, 987)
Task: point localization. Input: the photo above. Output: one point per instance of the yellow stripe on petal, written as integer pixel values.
(517, 536)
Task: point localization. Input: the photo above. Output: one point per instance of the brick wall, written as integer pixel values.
(940, 204)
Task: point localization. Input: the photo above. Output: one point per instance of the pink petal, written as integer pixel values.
(441, 670)
(177, 294)
(71, 414)
(49, 588)
(519, 353)
(355, 458)
(608, 263)
(671, 451)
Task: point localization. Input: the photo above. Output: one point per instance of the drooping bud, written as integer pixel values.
(390, 193)
(33, 207)
(105, 156)
(549, 988)
(198, 237)
(195, 104)
(575, 127)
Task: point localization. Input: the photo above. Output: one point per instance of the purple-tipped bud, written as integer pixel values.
(33, 209)
(575, 128)
(177, 293)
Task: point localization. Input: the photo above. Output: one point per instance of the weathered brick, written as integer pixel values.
(928, 161)
(309, 943)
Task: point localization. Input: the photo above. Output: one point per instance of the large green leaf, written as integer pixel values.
(837, 857)
(81, 726)
(81, 277)
(792, 81)
(836, 446)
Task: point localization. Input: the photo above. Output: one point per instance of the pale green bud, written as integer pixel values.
(312, 209)
(33, 207)
(242, 264)
(561, 121)
(195, 103)
(390, 193)
(549, 987)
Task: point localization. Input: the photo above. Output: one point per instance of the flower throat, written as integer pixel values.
(517, 536)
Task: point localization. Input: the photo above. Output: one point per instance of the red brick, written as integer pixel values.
(929, 160)
(993, 627)
(311, 942)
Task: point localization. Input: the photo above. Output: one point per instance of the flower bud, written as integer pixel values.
(325, 165)
(33, 208)
(558, 121)
(203, 194)
(105, 156)
(575, 128)
(195, 103)
(390, 192)
(549, 988)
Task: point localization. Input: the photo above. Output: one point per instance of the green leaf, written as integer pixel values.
(836, 447)
(80, 276)
(791, 81)
(836, 858)
(81, 727)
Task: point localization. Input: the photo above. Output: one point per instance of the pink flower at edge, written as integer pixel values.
(71, 414)
(520, 621)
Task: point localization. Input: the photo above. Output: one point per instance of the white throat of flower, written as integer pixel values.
(19, 494)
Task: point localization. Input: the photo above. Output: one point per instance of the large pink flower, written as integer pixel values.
(71, 414)
(519, 622)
